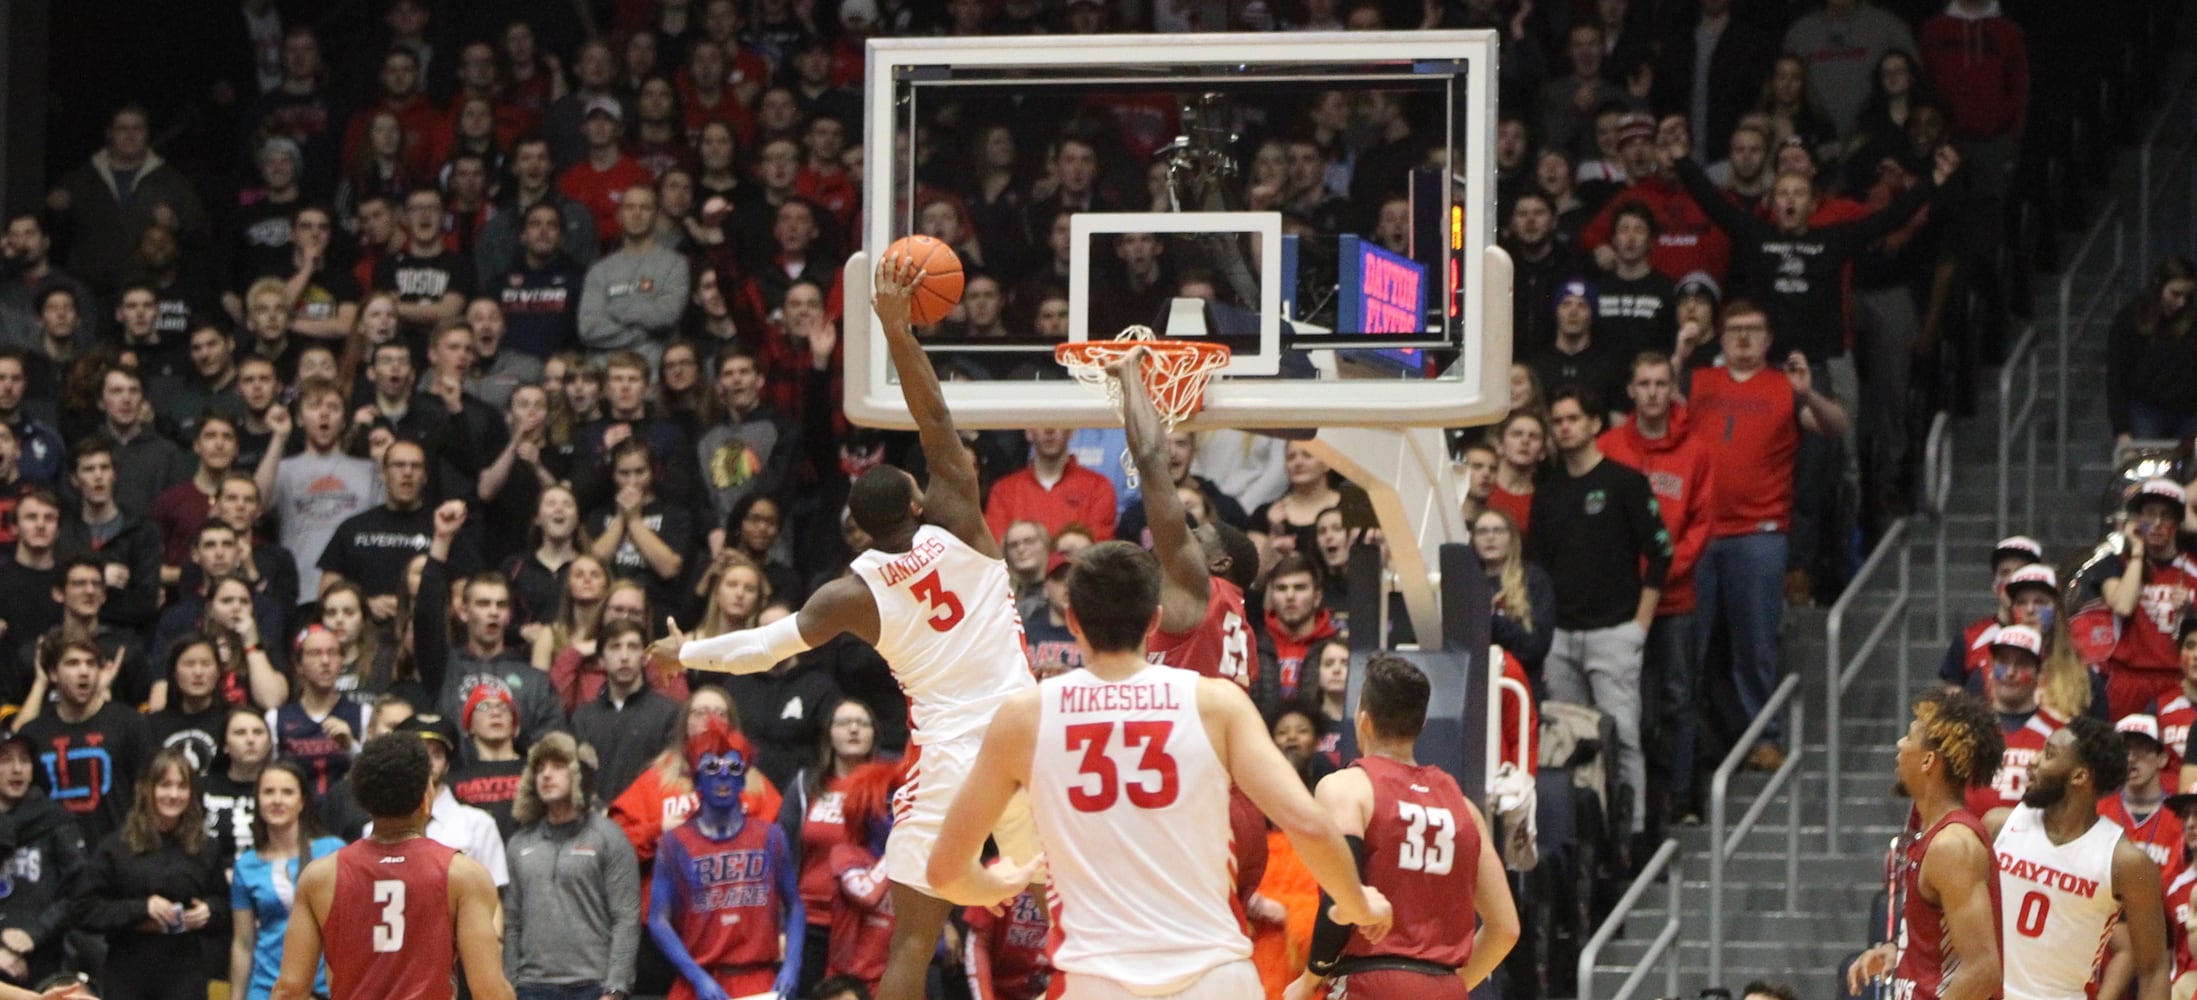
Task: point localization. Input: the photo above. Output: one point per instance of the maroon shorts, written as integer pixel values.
(1397, 984)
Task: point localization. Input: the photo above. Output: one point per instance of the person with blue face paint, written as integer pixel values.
(725, 888)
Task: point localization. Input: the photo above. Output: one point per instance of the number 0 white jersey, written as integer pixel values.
(1131, 804)
(947, 625)
(2056, 905)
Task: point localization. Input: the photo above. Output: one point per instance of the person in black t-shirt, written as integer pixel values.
(372, 547)
(488, 779)
(90, 747)
(1580, 357)
(431, 281)
(229, 792)
(639, 535)
(29, 576)
(1637, 306)
(193, 718)
(327, 296)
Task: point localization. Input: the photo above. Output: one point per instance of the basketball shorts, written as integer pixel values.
(1383, 984)
(919, 812)
(1233, 980)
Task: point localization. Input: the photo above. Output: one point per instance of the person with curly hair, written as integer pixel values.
(1948, 942)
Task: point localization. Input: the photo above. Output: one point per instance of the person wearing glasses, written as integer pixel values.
(729, 887)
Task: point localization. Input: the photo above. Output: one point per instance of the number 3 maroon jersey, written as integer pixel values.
(1422, 851)
(1220, 645)
(1926, 955)
(389, 932)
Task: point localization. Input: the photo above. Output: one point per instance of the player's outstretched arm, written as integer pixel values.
(475, 909)
(1185, 582)
(841, 606)
(1347, 795)
(1491, 899)
(1958, 867)
(301, 943)
(1265, 776)
(953, 498)
(1002, 767)
(2143, 911)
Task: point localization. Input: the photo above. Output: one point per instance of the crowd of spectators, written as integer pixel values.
(410, 364)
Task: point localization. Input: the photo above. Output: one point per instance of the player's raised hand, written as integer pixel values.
(1129, 369)
(890, 290)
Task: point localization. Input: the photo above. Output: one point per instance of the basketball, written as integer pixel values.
(940, 289)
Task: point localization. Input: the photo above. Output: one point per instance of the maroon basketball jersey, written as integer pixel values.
(1926, 957)
(1220, 645)
(1422, 851)
(389, 931)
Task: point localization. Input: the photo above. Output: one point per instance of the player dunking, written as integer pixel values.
(409, 904)
(1948, 943)
(2068, 874)
(1127, 764)
(934, 597)
(1203, 573)
(1424, 846)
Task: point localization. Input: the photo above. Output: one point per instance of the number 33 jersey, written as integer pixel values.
(1131, 804)
(1422, 851)
(946, 623)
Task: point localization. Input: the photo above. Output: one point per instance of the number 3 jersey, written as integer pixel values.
(389, 931)
(1131, 805)
(2056, 905)
(946, 623)
(1422, 851)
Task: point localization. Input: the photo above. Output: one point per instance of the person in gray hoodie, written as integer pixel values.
(633, 299)
(572, 916)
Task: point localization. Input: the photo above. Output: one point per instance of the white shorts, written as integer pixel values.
(1235, 980)
(919, 812)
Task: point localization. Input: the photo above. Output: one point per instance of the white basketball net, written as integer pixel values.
(1175, 373)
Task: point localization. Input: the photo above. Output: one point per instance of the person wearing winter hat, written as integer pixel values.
(1694, 307)
(572, 918)
(2017, 662)
(488, 779)
(2149, 588)
(1578, 358)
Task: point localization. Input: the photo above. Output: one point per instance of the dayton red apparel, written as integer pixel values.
(1289, 651)
(2159, 836)
(2175, 719)
(727, 909)
(2024, 744)
(1005, 954)
(390, 933)
(861, 915)
(1681, 471)
(1754, 429)
(1685, 240)
(1080, 497)
(601, 191)
(1520, 508)
(1220, 647)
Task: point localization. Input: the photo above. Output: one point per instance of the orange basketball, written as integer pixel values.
(940, 289)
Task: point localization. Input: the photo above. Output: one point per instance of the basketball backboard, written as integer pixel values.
(1166, 197)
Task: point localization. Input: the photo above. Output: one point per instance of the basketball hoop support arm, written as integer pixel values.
(1393, 464)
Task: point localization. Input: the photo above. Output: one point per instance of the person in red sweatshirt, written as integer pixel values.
(1685, 240)
(1681, 471)
(1053, 491)
(423, 126)
(1296, 624)
(600, 180)
(1976, 58)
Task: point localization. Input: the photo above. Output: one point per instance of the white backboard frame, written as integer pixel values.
(1476, 391)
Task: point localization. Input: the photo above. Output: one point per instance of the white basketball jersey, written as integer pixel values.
(2056, 905)
(947, 625)
(1131, 805)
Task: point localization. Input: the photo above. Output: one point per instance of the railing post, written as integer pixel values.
(1833, 666)
(1675, 878)
(1799, 717)
(1906, 620)
(1716, 876)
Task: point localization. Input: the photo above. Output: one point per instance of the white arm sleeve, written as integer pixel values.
(747, 651)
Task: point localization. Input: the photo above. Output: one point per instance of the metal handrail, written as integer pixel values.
(1839, 671)
(1723, 845)
(2018, 422)
(1666, 856)
(1937, 479)
(2146, 191)
(2109, 285)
